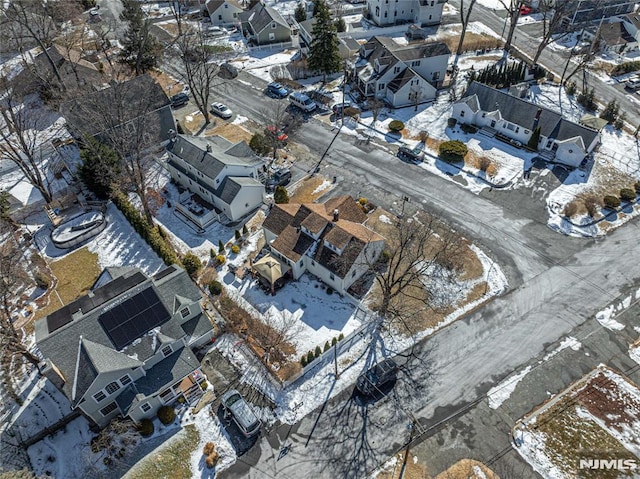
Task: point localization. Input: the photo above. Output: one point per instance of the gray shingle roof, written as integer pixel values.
(523, 113)
(168, 371)
(232, 185)
(197, 326)
(106, 359)
(262, 15)
(421, 50)
(402, 79)
(193, 150)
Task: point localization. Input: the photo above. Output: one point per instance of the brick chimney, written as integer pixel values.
(336, 215)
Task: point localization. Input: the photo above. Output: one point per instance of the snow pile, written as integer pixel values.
(634, 353)
(568, 342)
(532, 448)
(500, 393)
(605, 318)
(211, 430)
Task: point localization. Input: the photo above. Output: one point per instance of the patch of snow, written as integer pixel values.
(385, 219)
(500, 393)
(239, 120)
(568, 342)
(634, 353)
(323, 186)
(605, 318)
(211, 430)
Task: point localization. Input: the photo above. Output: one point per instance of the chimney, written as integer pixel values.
(208, 148)
(536, 120)
(336, 215)
(52, 373)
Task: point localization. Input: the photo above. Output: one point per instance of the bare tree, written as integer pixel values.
(279, 123)
(176, 8)
(280, 329)
(465, 16)
(199, 71)
(417, 246)
(22, 134)
(513, 13)
(553, 13)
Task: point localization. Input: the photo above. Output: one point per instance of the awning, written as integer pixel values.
(270, 268)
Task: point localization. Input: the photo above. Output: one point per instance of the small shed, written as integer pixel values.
(592, 121)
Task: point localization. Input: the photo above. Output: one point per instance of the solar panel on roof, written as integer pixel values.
(59, 318)
(137, 315)
(165, 272)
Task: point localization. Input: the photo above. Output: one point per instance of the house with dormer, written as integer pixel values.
(401, 75)
(263, 25)
(395, 12)
(223, 13)
(328, 240)
(221, 179)
(515, 118)
(126, 348)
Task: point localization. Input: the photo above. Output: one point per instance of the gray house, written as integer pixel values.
(499, 113)
(402, 75)
(263, 25)
(221, 179)
(223, 12)
(124, 349)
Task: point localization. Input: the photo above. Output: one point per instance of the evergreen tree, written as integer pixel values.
(220, 247)
(535, 139)
(619, 123)
(140, 49)
(281, 196)
(610, 113)
(324, 56)
(341, 26)
(100, 167)
(300, 14)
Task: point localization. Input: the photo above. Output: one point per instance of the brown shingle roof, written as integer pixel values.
(292, 243)
(315, 223)
(337, 237)
(339, 264)
(280, 217)
(347, 207)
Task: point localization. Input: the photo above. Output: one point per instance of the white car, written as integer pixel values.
(222, 110)
(215, 31)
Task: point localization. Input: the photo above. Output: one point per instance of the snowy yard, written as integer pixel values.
(597, 418)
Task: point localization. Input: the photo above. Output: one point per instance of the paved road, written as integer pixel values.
(556, 282)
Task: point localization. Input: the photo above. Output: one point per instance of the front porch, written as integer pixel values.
(187, 390)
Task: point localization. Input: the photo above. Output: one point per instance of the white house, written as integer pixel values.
(632, 25)
(500, 113)
(328, 240)
(401, 74)
(222, 178)
(224, 12)
(124, 349)
(393, 12)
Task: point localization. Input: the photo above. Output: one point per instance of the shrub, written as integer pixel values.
(310, 357)
(341, 337)
(303, 360)
(215, 287)
(571, 88)
(212, 253)
(317, 352)
(592, 203)
(145, 427)
(627, 194)
(484, 163)
(451, 122)
(212, 459)
(204, 385)
(260, 144)
(625, 67)
(636, 186)
(468, 128)
(610, 112)
(334, 341)
(385, 256)
(281, 196)
(326, 347)
(237, 235)
(245, 231)
(220, 259)
(208, 448)
(192, 263)
(586, 99)
(570, 209)
(42, 280)
(235, 249)
(452, 151)
(363, 201)
(329, 290)
(166, 415)
(618, 124)
(611, 201)
(396, 126)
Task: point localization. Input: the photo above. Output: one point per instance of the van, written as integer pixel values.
(302, 101)
(633, 84)
(246, 420)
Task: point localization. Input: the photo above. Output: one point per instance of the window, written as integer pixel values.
(483, 114)
(353, 275)
(570, 151)
(510, 126)
(226, 5)
(517, 129)
(272, 36)
(112, 387)
(184, 312)
(526, 132)
(166, 351)
(432, 3)
(396, 69)
(436, 75)
(430, 17)
(331, 276)
(380, 86)
(395, 13)
(462, 113)
(220, 16)
(108, 409)
(313, 263)
(126, 379)
(377, 11)
(99, 396)
(273, 25)
(385, 14)
(145, 407)
(416, 63)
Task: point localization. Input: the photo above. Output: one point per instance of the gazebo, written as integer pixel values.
(270, 271)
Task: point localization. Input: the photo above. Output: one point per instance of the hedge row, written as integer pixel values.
(150, 234)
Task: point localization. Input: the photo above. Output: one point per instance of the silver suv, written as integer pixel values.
(246, 420)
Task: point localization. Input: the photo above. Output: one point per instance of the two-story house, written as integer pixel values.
(223, 174)
(263, 25)
(581, 12)
(124, 349)
(394, 12)
(223, 12)
(498, 112)
(348, 47)
(632, 25)
(402, 75)
(329, 240)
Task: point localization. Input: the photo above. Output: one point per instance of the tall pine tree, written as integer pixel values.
(300, 14)
(140, 48)
(324, 56)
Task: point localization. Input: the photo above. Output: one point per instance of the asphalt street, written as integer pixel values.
(556, 284)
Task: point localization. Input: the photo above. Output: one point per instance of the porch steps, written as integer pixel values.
(188, 221)
(488, 131)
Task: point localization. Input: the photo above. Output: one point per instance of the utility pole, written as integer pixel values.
(412, 427)
(344, 86)
(335, 360)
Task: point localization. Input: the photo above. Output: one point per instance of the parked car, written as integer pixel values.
(382, 373)
(179, 100)
(246, 420)
(280, 134)
(633, 84)
(279, 178)
(302, 101)
(222, 110)
(276, 90)
(407, 154)
(228, 71)
(215, 31)
(525, 10)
